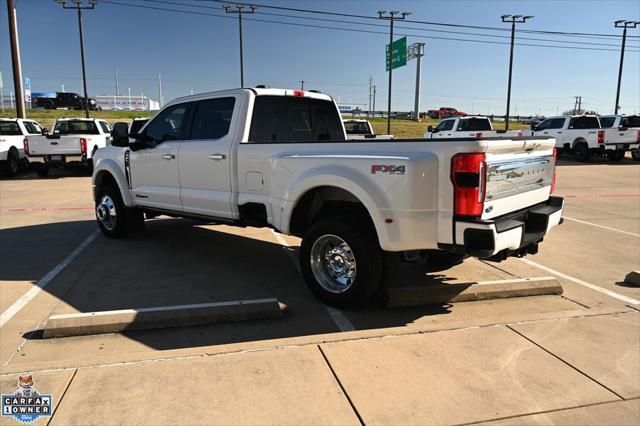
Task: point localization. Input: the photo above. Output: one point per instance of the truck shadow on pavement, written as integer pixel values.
(177, 262)
(568, 160)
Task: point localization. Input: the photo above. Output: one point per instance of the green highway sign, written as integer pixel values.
(399, 53)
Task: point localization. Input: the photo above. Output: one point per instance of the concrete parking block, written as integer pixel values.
(606, 348)
(469, 292)
(456, 377)
(291, 386)
(50, 383)
(620, 413)
(161, 317)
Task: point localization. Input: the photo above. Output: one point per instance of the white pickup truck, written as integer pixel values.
(583, 136)
(280, 158)
(359, 129)
(73, 140)
(624, 124)
(468, 127)
(12, 134)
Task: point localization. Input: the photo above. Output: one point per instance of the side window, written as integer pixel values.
(444, 125)
(448, 125)
(212, 118)
(105, 127)
(32, 128)
(545, 125)
(584, 123)
(169, 125)
(557, 123)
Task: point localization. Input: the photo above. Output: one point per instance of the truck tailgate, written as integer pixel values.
(518, 173)
(48, 145)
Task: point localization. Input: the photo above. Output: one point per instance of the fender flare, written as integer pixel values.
(108, 165)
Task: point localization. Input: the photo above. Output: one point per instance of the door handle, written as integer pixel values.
(559, 132)
(546, 133)
(168, 156)
(217, 157)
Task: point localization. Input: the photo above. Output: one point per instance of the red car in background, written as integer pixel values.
(445, 112)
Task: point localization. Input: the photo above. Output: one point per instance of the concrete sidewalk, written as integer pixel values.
(573, 371)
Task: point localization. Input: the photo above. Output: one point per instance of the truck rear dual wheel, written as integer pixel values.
(342, 262)
(42, 169)
(581, 152)
(116, 220)
(12, 165)
(615, 155)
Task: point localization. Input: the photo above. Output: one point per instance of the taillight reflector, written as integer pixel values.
(25, 143)
(83, 145)
(600, 136)
(467, 176)
(555, 163)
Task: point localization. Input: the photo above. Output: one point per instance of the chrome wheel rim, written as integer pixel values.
(333, 264)
(106, 212)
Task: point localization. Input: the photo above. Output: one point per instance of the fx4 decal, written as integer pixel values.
(389, 169)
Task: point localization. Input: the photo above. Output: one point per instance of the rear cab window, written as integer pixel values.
(76, 127)
(10, 128)
(607, 122)
(474, 125)
(294, 119)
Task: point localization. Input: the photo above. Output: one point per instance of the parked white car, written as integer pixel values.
(280, 159)
(73, 140)
(12, 134)
(583, 136)
(359, 129)
(624, 123)
(467, 127)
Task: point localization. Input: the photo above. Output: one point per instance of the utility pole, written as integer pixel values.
(77, 4)
(370, 86)
(416, 51)
(160, 90)
(129, 98)
(515, 19)
(240, 10)
(301, 84)
(15, 59)
(374, 100)
(622, 24)
(116, 81)
(577, 104)
(1, 94)
(391, 17)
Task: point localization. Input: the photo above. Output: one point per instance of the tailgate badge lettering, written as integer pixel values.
(389, 169)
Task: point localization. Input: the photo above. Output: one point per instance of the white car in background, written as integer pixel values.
(624, 123)
(468, 127)
(13, 132)
(359, 129)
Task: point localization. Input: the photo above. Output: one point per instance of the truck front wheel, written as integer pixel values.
(115, 219)
(342, 262)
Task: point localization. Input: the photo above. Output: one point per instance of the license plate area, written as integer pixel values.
(56, 158)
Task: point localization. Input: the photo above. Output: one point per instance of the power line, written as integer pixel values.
(321, 12)
(370, 24)
(352, 30)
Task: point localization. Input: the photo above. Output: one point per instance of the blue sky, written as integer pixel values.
(200, 53)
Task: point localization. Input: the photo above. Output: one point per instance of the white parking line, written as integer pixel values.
(601, 226)
(338, 316)
(42, 283)
(582, 283)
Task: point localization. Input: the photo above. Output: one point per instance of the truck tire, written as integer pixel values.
(581, 152)
(635, 154)
(342, 262)
(12, 165)
(615, 155)
(48, 105)
(42, 169)
(116, 220)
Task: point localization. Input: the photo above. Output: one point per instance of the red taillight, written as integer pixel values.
(467, 176)
(600, 136)
(478, 135)
(25, 143)
(638, 136)
(298, 93)
(555, 163)
(83, 145)
(520, 133)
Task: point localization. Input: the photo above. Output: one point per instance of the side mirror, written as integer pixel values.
(533, 126)
(45, 131)
(430, 128)
(120, 134)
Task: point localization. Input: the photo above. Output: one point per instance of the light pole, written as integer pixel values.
(515, 19)
(77, 4)
(15, 60)
(416, 50)
(129, 98)
(392, 16)
(622, 24)
(240, 10)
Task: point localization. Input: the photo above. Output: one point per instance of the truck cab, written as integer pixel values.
(13, 132)
(467, 127)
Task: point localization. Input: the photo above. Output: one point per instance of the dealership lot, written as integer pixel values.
(564, 358)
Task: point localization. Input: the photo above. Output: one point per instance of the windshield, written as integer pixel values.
(474, 125)
(75, 127)
(136, 126)
(9, 128)
(607, 122)
(356, 128)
